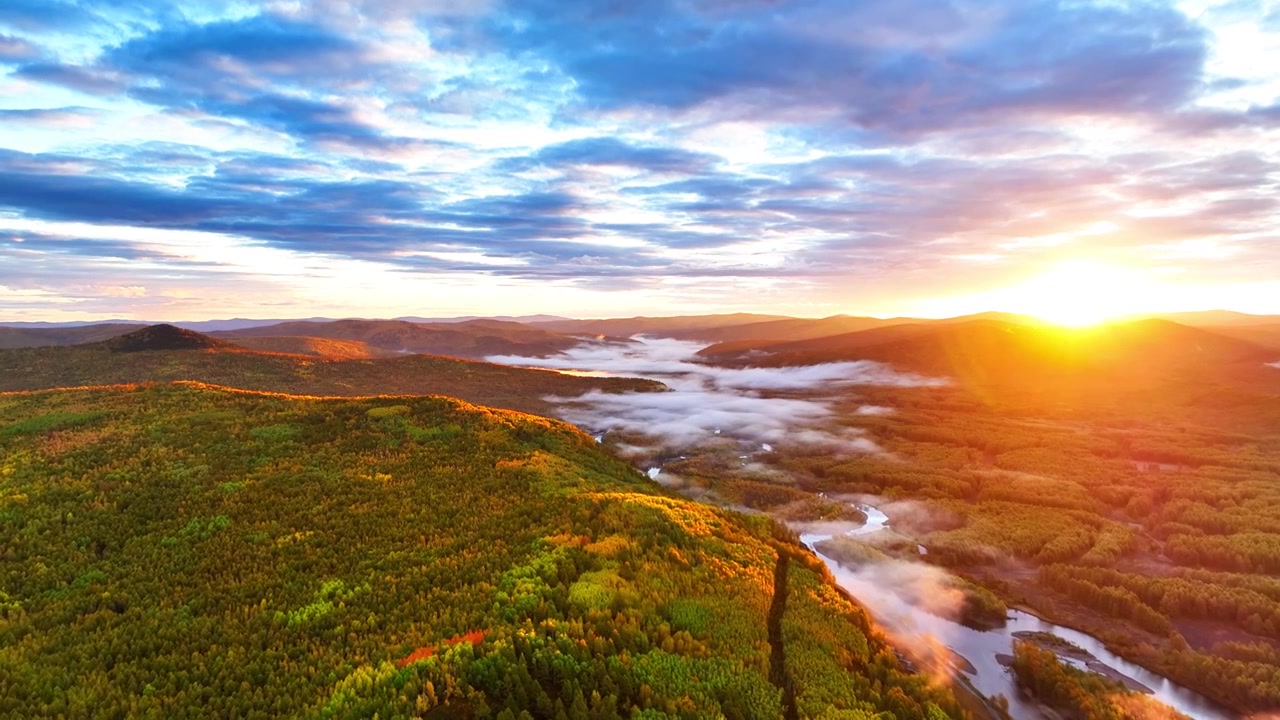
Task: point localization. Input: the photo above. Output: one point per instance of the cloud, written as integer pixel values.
(828, 157)
(103, 199)
(614, 152)
(715, 404)
(37, 14)
(895, 67)
(915, 603)
(15, 49)
(271, 44)
(33, 244)
(49, 117)
(88, 80)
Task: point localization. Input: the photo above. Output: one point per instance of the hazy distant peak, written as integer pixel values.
(165, 337)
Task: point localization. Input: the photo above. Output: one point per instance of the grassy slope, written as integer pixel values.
(478, 382)
(189, 551)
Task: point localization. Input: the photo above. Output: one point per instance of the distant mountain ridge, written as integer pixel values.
(1085, 345)
(469, 338)
(542, 335)
(163, 353)
(477, 338)
(244, 323)
(994, 353)
(19, 337)
(662, 326)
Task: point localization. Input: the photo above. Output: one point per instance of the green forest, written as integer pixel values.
(184, 550)
(1077, 693)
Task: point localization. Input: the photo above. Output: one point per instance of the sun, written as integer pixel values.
(1079, 293)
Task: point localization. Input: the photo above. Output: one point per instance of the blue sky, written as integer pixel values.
(194, 160)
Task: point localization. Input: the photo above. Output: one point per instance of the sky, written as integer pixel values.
(379, 158)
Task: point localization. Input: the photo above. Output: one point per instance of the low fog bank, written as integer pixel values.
(921, 606)
(707, 402)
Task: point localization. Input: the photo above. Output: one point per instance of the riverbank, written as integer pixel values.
(914, 626)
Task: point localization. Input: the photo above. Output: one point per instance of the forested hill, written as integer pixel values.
(165, 353)
(183, 550)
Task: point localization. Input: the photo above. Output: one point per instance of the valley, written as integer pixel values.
(1146, 518)
(967, 494)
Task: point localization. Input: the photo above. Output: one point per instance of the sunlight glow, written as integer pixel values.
(1082, 293)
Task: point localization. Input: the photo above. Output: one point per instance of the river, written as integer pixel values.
(705, 399)
(981, 648)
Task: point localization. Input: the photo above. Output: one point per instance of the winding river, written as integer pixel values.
(982, 648)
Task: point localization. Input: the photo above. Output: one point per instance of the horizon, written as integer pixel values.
(928, 159)
(548, 317)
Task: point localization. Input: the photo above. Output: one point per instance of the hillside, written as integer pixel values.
(993, 349)
(1267, 335)
(1218, 319)
(220, 362)
(20, 337)
(663, 326)
(165, 337)
(469, 339)
(830, 347)
(191, 551)
(318, 347)
(1149, 364)
(757, 336)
